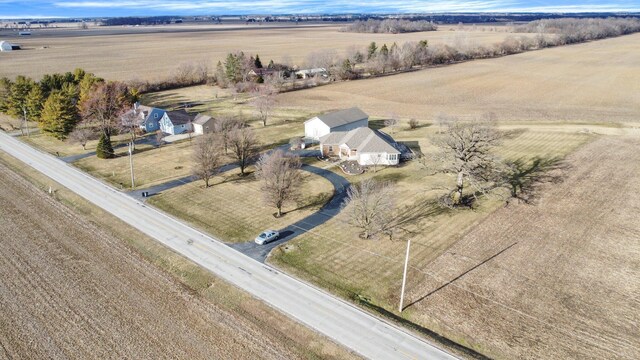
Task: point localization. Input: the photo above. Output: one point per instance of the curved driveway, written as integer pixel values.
(326, 212)
(367, 335)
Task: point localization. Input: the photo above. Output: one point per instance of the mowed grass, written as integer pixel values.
(283, 123)
(152, 165)
(233, 208)
(334, 257)
(590, 83)
(139, 55)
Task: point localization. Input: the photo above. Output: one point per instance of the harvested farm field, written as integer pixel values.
(594, 82)
(555, 280)
(70, 290)
(133, 52)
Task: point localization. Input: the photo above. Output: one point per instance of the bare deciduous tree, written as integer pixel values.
(206, 155)
(465, 151)
(280, 176)
(129, 124)
(264, 102)
(244, 145)
(413, 124)
(223, 126)
(370, 207)
(82, 135)
(392, 122)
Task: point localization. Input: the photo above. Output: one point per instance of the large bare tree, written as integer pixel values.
(264, 102)
(81, 135)
(465, 151)
(207, 153)
(280, 175)
(223, 126)
(370, 207)
(104, 105)
(244, 145)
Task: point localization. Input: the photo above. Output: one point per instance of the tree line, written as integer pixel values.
(573, 30)
(389, 26)
(76, 104)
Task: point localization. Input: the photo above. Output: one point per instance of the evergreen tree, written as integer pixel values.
(104, 150)
(384, 51)
(257, 63)
(59, 115)
(271, 64)
(232, 68)
(35, 102)
(5, 91)
(17, 100)
(371, 50)
(85, 86)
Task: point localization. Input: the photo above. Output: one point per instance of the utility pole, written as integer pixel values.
(404, 276)
(26, 124)
(133, 179)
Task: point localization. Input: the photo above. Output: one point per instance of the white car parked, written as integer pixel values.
(267, 236)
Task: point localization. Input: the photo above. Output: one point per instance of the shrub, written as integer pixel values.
(104, 150)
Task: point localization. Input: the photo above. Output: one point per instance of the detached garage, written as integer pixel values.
(343, 120)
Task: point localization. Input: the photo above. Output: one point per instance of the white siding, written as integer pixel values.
(372, 158)
(315, 128)
(197, 128)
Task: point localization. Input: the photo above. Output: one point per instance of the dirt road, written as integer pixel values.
(68, 290)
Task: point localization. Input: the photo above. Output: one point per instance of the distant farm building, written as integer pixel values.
(7, 46)
(309, 73)
(343, 120)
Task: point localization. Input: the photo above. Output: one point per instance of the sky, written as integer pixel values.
(110, 8)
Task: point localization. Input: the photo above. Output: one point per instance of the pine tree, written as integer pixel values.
(384, 51)
(257, 63)
(34, 103)
(232, 68)
(59, 115)
(371, 50)
(17, 100)
(104, 150)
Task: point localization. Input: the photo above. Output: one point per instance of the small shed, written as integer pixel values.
(203, 124)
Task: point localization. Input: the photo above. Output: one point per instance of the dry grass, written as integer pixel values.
(566, 287)
(233, 210)
(152, 165)
(283, 124)
(333, 256)
(595, 82)
(80, 291)
(140, 55)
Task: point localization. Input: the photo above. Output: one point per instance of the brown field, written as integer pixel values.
(567, 284)
(151, 56)
(71, 290)
(594, 82)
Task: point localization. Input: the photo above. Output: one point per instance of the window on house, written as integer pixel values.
(392, 157)
(330, 148)
(155, 116)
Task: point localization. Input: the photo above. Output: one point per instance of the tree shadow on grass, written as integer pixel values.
(409, 219)
(524, 178)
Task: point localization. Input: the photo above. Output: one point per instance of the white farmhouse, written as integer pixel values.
(343, 120)
(364, 145)
(176, 122)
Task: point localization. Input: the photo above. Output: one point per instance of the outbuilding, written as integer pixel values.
(343, 120)
(7, 46)
(203, 124)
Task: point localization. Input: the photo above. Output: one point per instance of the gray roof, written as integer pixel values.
(363, 139)
(179, 117)
(342, 117)
(201, 119)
